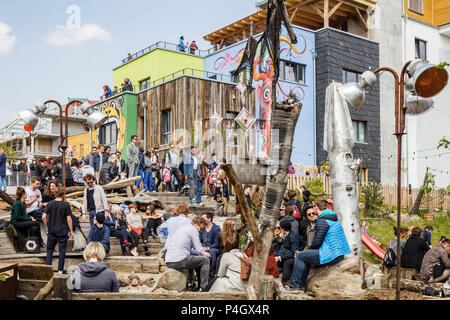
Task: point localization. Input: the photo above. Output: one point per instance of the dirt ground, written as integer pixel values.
(389, 294)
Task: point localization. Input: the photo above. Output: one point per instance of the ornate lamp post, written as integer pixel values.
(422, 80)
(95, 119)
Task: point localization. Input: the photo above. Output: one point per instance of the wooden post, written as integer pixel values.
(60, 287)
(45, 291)
(326, 17)
(228, 169)
(267, 287)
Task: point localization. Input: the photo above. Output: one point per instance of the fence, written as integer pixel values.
(17, 178)
(389, 193)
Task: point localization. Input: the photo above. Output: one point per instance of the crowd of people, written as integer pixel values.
(125, 86)
(416, 252)
(307, 233)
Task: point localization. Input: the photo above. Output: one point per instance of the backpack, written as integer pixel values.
(390, 258)
(32, 244)
(296, 215)
(246, 266)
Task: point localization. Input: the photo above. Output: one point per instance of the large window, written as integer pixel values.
(421, 49)
(108, 135)
(293, 72)
(360, 131)
(416, 6)
(166, 126)
(349, 76)
(144, 84)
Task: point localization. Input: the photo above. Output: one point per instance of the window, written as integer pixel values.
(81, 150)
(349, 76)
(421, 49)
(74, 152)
(166, 127)
(360, 131)
(108, 135)
(144, 84)
(292, 72)
(231, 128)
(235, 78)
(416, 6)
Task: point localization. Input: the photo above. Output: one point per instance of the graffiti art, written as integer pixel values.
(223, 61)
(113, 109)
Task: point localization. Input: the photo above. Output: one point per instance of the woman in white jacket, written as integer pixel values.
(230, 270)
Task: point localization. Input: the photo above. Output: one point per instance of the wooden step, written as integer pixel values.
(6, 247)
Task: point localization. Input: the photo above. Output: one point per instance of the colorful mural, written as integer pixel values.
(113, 109)
(223, 61)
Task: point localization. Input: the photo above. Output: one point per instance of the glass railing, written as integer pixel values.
(167, 46)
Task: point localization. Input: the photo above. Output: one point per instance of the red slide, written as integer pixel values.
(371, 245)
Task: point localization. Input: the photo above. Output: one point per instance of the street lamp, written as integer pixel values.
(422, 80)
(95, 119)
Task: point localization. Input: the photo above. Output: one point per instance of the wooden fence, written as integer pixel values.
(389, 193)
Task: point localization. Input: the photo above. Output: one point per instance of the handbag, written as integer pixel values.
(246, 266)
(32, 244)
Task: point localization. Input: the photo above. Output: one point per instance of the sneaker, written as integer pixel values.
(294, 290)
(147, 253)
(126, 244)
(134, 253)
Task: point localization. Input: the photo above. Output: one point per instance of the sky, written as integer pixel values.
(55, 49)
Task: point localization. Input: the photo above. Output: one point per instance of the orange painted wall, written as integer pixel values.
(436, 12)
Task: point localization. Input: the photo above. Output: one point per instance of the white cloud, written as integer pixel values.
(62, 36)
(7, 40)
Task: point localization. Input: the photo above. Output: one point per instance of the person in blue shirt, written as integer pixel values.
(426, 235)
(107, 91)
(328, 247)
(181, 45)
(191, 168)
(209, 238)
(100, 232)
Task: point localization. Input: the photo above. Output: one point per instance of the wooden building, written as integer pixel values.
(179, 111)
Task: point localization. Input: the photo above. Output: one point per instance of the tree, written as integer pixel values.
(372, 198)
(428, 187)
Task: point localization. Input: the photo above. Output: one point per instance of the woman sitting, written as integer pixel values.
(19, 218)
(154, 220)
(135, 223)
(49, 192)
(230, 269)
(414, 250)
(76, 173)
(93, 275)
(228, 231)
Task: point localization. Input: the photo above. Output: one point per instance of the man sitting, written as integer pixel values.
(99, 232)
(285, 255)
(436, 263)
(116, 229)
(172, 224)
(180, 248)
(209, 238)
(328, 246)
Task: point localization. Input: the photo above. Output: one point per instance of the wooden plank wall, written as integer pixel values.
(192, 99)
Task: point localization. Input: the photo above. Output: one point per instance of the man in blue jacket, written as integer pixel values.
(209, 238)
(100, 232)
(93, 159)
(328, 246)
(191, 168)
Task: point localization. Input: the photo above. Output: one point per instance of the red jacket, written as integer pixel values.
(271, 266)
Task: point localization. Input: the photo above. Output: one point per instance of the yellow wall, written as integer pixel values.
(80, 143)
(436, 12)
(156, 64)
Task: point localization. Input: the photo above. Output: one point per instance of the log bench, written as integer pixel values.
(388, 281)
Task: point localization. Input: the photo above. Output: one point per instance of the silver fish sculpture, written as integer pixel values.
(339, 139)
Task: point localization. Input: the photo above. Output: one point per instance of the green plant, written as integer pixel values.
(443, 143)
(372, 198)
(2, 277)
(9, 152)
(315, 186)
(428, 187)
(442, 65)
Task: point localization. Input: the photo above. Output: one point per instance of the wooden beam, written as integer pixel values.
(228, 169)
(326, 19)
(361, 20)
(320, 13)
(332, 11)
(355, 4)
(293, 14)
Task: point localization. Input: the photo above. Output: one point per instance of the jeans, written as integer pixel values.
(158, 177)
(92, 214)
(152, 224)
(199, 190)
(303, 261)
(32, 227)
(121, 233)
(176, 173)
(148, 181)
(287, 269)
(140, 173)
(36, 214)
(191, 262)
(132, 169)
(193, 186)
(2, 183)
(52, 240)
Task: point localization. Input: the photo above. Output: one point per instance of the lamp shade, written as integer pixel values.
(30, 116)
(354, 93)
(416, 105)
(95, 118)
(428, 80)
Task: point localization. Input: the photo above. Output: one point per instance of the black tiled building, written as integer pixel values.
(340, 57)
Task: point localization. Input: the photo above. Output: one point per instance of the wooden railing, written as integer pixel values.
(389, 193)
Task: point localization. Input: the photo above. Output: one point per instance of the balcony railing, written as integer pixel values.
(177, 74)
(167, 46)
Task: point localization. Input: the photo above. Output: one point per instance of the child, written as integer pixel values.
(166, 177)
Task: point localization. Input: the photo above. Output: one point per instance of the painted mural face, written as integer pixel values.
(113, 109)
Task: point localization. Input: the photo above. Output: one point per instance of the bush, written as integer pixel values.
(372, 198)
(315, 186)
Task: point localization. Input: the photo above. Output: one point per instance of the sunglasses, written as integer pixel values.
(278, 228)
(310, 214)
